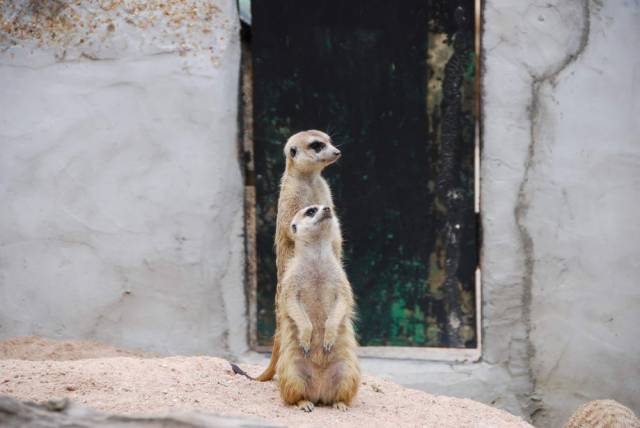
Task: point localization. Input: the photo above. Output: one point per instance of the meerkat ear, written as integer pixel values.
(294, 228)
(293, 152)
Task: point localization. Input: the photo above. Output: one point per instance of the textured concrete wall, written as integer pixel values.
(119, 177)
(561, 198)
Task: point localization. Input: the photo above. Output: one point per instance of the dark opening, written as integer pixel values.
(395, 86)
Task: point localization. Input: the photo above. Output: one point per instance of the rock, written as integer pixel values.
(56, 413)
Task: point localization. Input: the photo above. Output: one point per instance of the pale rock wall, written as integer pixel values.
(122, 195)
(561, 197)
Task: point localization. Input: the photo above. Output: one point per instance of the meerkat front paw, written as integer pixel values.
(305, 345)
(305, 406)
(330, 335)
(305, 350)
(305, 341)
(340, 406)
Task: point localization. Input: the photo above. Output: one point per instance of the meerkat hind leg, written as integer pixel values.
(346, 381)
(305, 405)
(292, 377)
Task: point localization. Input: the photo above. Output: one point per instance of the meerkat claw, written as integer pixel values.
(305, 351)
(327, 347)
(305, 406)
(340, 406)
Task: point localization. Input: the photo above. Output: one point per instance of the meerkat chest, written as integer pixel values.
(318, 193)
(303, 192)
(318, 295)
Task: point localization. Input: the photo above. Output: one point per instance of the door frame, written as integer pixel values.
(246, 156)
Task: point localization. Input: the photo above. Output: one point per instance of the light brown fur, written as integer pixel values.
(318, 362)
(301, 185)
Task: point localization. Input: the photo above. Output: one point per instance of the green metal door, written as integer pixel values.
(394, 84)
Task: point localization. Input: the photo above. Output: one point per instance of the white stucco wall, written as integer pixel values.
(561, 197)
(122, 197)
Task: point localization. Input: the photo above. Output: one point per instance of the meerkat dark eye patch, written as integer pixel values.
(294, 228)
(317, 146)
(310, 212)
(293, 152)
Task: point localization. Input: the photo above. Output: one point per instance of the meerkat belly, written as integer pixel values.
(317, 300)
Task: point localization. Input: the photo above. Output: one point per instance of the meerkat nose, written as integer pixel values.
(326, 209)
(336, 153)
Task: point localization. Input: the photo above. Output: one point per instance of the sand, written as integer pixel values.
(35, 348)
(113, 380)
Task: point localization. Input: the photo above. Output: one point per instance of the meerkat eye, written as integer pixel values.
(310, 212)
(294, 228)
(316, 146)
(293, 152)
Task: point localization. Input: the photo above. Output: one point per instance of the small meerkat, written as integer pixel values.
(307, 153)
(318, 362)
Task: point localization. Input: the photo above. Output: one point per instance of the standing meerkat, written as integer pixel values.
(318, 362)
(307, 153)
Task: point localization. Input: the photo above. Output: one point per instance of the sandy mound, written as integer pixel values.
(135, 385)
(35, 348)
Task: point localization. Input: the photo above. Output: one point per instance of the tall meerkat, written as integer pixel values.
(307, 153)
(318, 362)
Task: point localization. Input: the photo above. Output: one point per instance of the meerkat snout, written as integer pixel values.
(326, 213)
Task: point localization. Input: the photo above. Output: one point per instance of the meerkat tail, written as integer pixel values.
(238, 370)
(271, 369)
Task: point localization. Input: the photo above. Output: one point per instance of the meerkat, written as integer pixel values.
(603, 414)
(307, 153)
(318, 362)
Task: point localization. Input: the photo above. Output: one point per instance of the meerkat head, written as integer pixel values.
(310, 151)
(312, 223)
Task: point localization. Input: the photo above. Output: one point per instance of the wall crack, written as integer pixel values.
(523, 203)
